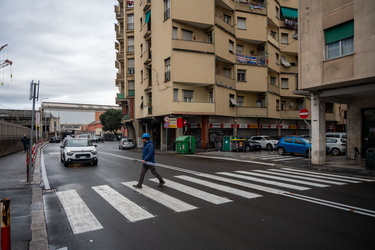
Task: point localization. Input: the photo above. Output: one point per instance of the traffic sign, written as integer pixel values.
(166, 125)
(166, 118)
(185, 123)
(303, 113)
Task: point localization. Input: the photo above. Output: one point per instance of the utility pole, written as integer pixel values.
(34, 94)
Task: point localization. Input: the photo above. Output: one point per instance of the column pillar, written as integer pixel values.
(318, 130)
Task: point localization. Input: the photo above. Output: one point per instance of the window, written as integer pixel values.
(167, 63)
(130, 22)
(241, 23)
(210, 97)
(273, 80)
(284, 83)
(227, 19)
(285, 62)
(231, 46)
(227, 72)
(167, 11)
(188, 95)
(284, 38)
(240, 101)
(339, 40)
(175, 95)
(277, 58)
(241, 75)
(232, 101)
(210, 38)
(131, 44)
(174, 32)
(288, 140)
(273, 34)
(283, 105)
(239, 49)
(187, 35)
(141, 76)
(131, 66)
(277, 105)
(298, 141)
(277, 10)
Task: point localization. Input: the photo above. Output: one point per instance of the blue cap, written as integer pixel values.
(146, 135)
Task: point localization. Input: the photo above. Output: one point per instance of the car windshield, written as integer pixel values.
(305, 140)
(78, 143)
(268, 138)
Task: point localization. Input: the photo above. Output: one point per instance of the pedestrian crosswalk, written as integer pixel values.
(211, 188)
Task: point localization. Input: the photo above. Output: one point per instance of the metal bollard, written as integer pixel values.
(5, 224)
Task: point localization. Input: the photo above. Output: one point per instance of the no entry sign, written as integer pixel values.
(303, 113)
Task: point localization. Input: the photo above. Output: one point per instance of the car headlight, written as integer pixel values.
(94, 152)
(69, 153)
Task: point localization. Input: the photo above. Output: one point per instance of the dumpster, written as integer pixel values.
(238, 144)
(370, 159)
(186, 144)
(227, 146)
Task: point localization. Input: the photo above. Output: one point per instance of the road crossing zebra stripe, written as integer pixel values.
(275, 183)
(332, 175)
(313, 175)
(269, 157)
(126, 207)
(215, 199)
(284, 179)
(289, 159)
(164, 199)
(302, 177)
(231, 159)
(80, 218)
(223, 188)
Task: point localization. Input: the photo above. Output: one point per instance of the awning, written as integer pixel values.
(289, 12)
(339, 32)
(233, 102)
(285, 62)
(148, 15)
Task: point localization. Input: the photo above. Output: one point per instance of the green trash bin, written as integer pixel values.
(370, 159)
(186, 144)
(227, 145)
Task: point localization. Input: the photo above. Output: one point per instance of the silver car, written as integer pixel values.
(336, 146)
(126, 143)
(78, 150)
(265, 141)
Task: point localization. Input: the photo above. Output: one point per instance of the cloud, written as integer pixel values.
(67, 45)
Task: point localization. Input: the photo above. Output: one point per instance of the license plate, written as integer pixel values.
(82, 157)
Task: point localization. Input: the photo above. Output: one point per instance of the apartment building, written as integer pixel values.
(224, 67)
(337, 62)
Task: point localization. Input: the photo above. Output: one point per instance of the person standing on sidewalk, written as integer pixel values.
(148, 155)
(25, 141)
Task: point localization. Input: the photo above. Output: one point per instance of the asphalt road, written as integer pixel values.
(207, 203)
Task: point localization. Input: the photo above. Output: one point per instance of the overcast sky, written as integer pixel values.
(67, 45)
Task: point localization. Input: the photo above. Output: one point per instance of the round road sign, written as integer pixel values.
(166, 119)
(166, 125)
(303, 113)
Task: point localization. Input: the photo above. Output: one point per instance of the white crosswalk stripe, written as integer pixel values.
(80, 218)
(127, 208)
(277, 158)
(215, 199)
(164, 199)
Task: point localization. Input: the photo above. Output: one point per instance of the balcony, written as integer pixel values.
(255, 80)
(257, 7)
(224, 81)
(119, 13)
(251, 111)
(120, 56)
(221, 23)
(126, 118)
(117, 46)
(193, 46)
(120, 36)
(251, 60)
(131, 92)
(227, 4)
(147, 6)
(289, 114)
(196, 108)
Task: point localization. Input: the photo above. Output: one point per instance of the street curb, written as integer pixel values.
(39, 236)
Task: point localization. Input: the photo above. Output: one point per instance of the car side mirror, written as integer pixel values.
(95, 145)
(61, 146)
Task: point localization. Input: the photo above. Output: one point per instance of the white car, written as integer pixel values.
(78, 150)
(336, 146)
(126, 143)
(265, 141)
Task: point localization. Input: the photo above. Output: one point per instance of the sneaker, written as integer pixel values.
(137, 186)
(161, 184)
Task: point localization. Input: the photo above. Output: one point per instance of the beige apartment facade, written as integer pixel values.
(224, 67)
(337, 62)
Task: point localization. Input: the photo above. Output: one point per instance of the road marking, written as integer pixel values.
(312, 175)
(80, 217)
(290, 158)
(126, 207)
(284, 179)
(230, 159)
(164, 199)
(223, 188)
(332, 204)
(275, 183)
(302, 177)
(215, 199)
(44, 172)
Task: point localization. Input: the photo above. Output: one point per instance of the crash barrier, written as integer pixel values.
(10, 137)
(30, 159)
(5, 224)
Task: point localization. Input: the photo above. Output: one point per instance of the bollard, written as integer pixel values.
(27, 167)
(5, 224)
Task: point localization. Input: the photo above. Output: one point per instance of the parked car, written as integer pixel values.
(126, 143)
(336, 146)
(265, 141)
(97, 139)
(78, 150)
(293, 145)
(336, 135)
(54, 139)
(251, 145)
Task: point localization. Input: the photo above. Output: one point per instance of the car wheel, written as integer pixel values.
(61, 158)
(95, 163)
(281, 151)
(336, 151)
(247, 148)
(269, 147)
(66, 164)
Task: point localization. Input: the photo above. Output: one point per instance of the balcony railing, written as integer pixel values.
(201, 46)
(251, 111)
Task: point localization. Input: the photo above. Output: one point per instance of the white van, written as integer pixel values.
(340, 135)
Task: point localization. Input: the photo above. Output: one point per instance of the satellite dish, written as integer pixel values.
(291, 104)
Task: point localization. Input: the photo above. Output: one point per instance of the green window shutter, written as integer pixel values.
(148, 15)
(289, 13)
(339, 32)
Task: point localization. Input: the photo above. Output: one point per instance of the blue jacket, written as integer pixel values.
(148, 153)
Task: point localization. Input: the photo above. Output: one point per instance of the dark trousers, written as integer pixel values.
(25, 147)
(145, 168)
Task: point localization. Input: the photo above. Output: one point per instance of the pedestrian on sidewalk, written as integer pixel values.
(148, 155)
(25, 141)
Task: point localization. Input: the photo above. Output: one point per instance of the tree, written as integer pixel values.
(111, 120)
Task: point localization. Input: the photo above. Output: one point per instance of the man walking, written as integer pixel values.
(25, 141)
(148, 155)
